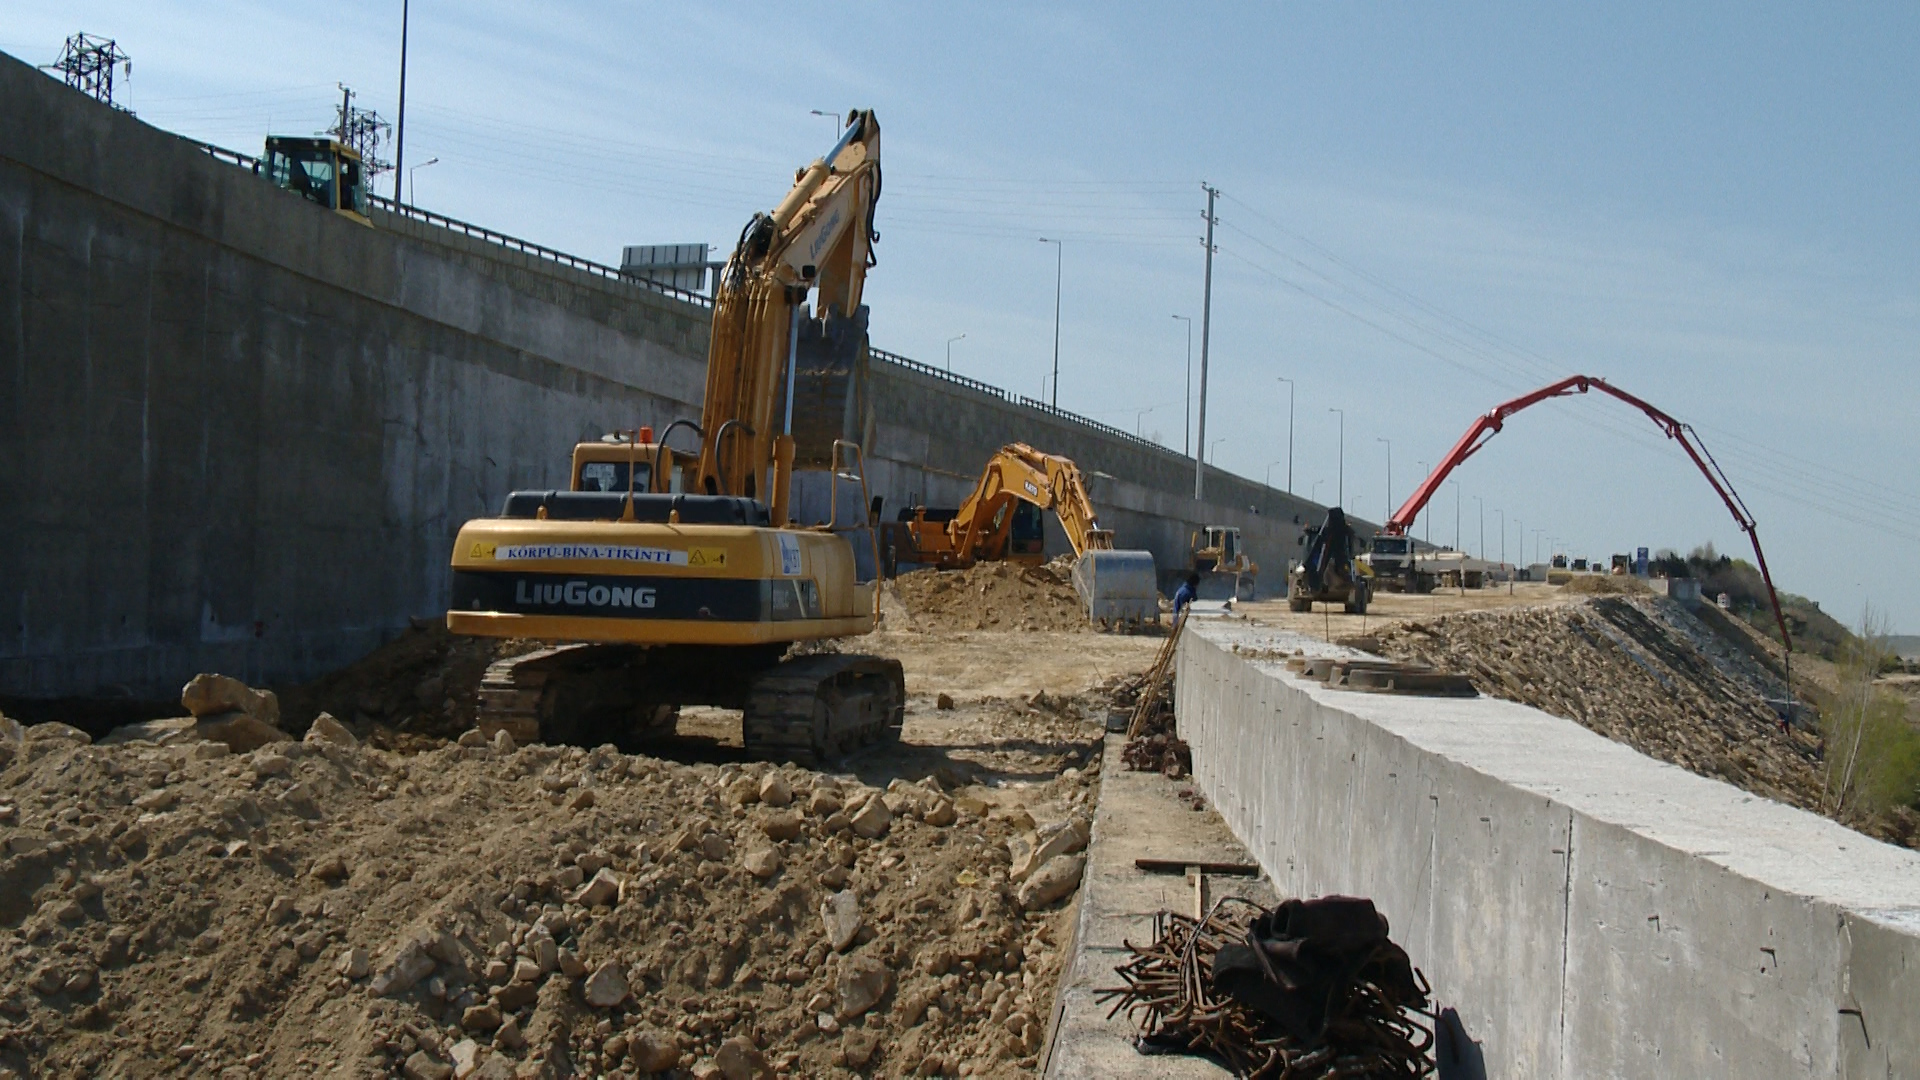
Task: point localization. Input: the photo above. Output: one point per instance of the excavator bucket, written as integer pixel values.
(1119, 588)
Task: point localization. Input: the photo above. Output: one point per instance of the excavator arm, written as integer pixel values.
(820, 237)
(1019, 473)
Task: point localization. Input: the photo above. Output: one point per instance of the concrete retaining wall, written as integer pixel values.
(1581, 909)
(239, 432)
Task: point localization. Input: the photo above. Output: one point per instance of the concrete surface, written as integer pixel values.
(1584, 910)
(1138, 817)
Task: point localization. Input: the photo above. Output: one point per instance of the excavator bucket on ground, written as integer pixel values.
(1119, 588)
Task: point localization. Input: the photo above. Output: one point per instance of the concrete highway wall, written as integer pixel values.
(1582, 910)
(239, 432)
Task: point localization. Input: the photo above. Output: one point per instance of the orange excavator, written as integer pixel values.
(1001, 521)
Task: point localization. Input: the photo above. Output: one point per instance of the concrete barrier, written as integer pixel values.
(1581, 909)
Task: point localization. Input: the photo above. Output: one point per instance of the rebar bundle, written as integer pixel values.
(1377, 1023)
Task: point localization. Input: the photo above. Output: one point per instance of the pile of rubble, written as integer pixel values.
(992, 596)
(1640, 670)
(212, 893)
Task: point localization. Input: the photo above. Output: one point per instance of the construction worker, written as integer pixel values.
(1189, 590)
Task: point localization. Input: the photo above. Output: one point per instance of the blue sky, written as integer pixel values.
(1426, 209)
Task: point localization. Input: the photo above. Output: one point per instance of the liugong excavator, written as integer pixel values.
(665, 579)
(1001, 520)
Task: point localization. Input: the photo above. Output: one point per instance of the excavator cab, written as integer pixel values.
(321, 170)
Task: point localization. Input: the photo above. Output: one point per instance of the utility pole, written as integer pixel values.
(1206, 336)
(1059, 255)
(1340, 496)
(1289, 383)
(400, 136)
(1186, 440)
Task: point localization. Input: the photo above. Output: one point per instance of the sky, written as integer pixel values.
(1424, 210)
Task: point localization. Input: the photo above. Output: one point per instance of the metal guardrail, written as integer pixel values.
(575, 262)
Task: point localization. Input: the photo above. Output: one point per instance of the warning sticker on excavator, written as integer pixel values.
(706, 556)
(789, 554)
(480, 550)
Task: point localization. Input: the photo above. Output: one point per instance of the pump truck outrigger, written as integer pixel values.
(685, 579)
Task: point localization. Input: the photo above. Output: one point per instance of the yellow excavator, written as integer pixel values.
(1001, 521)
(666, 578)
(1001, 518)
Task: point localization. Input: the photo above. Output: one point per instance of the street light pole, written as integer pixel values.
(400, 135)
(1483, 527)
(950, 342)
(1289, 383)
(831, 116)
(1426, 511)
(1139, 418)
(1186, 440)
(1059, 257)
(411, 194)
(1503, 535)
(1389, 503)
(1456, 515)
(1270, 466)
(1341, 495)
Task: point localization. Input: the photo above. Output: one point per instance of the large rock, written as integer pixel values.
(241, 731)
(763, 863)
(1057, 877)
(841, 914)
(210, 695)
(872, 819)
(607, 986)
(602, 891)
(775, 791)
(785, 825)
(404, 969)
(1051, 841)
(739, 1059)
(863, 982)
(325, 729)
(168, 732)
(653, 1051)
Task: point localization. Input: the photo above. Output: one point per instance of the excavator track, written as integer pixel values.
(805, 710)
(813, 708)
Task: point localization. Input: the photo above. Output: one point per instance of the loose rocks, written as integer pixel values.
(841, 914)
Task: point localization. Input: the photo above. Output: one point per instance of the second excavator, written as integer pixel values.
(666, 578)
(1001, 520)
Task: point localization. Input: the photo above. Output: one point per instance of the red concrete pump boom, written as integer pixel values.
(1485, 427)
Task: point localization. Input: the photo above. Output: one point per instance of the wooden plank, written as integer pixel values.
(1175, 866)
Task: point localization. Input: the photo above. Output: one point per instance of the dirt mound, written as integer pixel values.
(1607, 585)
(1646, 673)
(317, 905)
(424, 682)
(991, 596)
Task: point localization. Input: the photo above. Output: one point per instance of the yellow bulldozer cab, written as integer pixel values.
(320, 170)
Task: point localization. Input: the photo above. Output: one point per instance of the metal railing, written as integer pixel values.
(588, 266)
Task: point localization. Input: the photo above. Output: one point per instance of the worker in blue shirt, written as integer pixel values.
(1189, 590)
